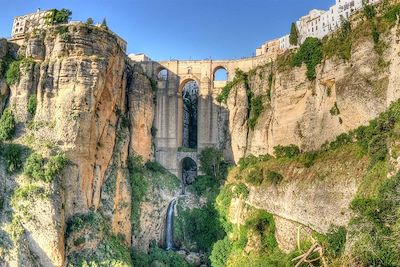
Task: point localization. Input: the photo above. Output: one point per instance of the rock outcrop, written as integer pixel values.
(86, 92)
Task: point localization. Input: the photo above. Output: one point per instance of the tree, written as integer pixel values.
(89, 21)
(294, 35)
(55, 16)
(104, 24)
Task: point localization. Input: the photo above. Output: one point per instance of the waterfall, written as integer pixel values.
(169, 232)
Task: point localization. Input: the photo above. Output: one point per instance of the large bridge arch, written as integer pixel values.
(168, 114)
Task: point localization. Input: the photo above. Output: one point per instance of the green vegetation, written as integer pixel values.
(12, 155)
(5, 63)
(376, 224)
(13, 72)
(240, 77)
(37, 169)
(220, 252)
(56, 16)
(200, 226)
(89, 22)
(32, 104)
(274, 177)
(104, 24)
(110, 250)
(250, 160)
(335, 110)
(157, 257)
(28, 192)
(139, 186)
(310, 53)
(294, 35)
(241, 190)
(290, 151)
(256, 108)
(212, 163)
(7, 125)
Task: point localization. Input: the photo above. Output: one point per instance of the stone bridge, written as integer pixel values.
(211, 115)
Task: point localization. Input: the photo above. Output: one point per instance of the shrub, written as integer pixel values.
(335, 110)
(220, 252)
(28, 192)
(290, 151)
(308, 158)
(155, 167)
(263, 224)
(369, 11)
(310, 53)
(165, 258)
(201, 225)
(54, 166)
(336, 239)
(255, 177)
(56, 16)
(392, 13)
(256, 108)
(241, 190)
(212, 163)
(34, 166)
(5, 62)
(32, 104)
(7, 125)
(251, 160)
(13, 73)
(240, 77)
(341, 140)
(89, 22)
(339, 44)
(204, 183)
(376, 226)
(274, 177)
(12, 155)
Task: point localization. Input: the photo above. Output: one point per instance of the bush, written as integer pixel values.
(240, 77)
(166, 258)
(32, 104)
(376, 226)
(204, 183)
(220, 252)
(290, 151)
(56, 16)
(310, 53)
(201, 226)
(263, 224)
(7, 125)
(308, 158)
(255, 177)
(336, 239)
(212, 163)
(241, 190)
(54, 166)
(369, 11)
(13, 73)
(252, 160)
(34, 166)
(256, 108)
(154, 167)
(274, 177)
(12, 155)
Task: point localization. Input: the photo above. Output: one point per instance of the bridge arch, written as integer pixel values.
(220, 73)
(162, 74)
(188, 113)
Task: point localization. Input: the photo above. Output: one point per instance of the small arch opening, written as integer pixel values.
(190, 109)
(162, 75)
(220, 74)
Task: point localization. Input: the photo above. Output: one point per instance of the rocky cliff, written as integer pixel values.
(91, 104)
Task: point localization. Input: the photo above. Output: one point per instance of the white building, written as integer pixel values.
(318, 24)
(26, 23)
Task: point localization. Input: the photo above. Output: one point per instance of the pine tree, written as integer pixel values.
(294, 35)
(104, 23)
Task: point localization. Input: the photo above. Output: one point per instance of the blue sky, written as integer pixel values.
(180, 29)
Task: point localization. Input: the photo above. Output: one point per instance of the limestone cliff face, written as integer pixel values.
(86, 91)
(307, 113)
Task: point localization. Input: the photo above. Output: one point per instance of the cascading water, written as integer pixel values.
(169, 232)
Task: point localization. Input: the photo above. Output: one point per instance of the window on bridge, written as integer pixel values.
(189, 171)
(162, 75)
(190, 107)
(220, 74)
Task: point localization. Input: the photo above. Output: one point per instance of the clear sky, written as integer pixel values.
(180, 29)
